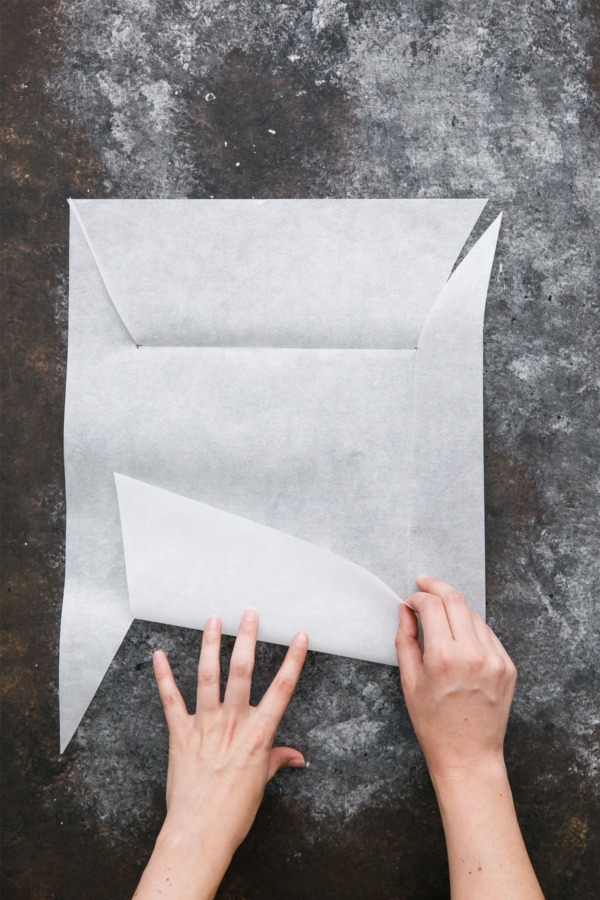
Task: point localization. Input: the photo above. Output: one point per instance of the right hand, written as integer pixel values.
(459, 690)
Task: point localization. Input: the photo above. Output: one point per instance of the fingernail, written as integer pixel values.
(301, 639)
(250, 615)
(296, 764)
(159, 657)
(212, 624)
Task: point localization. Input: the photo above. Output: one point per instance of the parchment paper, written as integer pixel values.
(253, 376)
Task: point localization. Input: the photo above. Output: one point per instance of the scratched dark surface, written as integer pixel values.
(163, 98)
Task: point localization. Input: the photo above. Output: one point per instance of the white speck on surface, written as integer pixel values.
(210, 96)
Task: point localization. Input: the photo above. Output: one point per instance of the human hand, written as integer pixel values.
(459, 690)
(221, 758)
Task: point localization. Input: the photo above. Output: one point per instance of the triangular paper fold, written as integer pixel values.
(184, 558)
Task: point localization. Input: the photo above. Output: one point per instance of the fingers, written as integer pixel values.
(283, 757)
(457, 611)
(239, 682)
(502, 650)
(410, 657)
(436, 628)
(209, 666)
(172, 701)
(279, 694)
(482, 631)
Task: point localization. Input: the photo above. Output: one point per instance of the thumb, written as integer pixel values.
(281, 757)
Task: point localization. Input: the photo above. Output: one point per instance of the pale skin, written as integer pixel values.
(458, 692)
(220, 760)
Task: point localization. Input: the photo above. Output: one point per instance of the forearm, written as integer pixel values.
(486, 853)
(185, 865)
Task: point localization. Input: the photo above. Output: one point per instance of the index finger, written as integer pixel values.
(459, 616)
(432, 612)
(275, 701)
(435, 586)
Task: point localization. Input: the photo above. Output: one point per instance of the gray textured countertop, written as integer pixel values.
(200, 98)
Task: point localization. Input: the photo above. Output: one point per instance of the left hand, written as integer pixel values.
(221, 758)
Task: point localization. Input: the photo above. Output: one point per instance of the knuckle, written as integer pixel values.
(441, 660)
(207, 677)
(475, 659)
(455, 597)
(241, 669)
(285, 686)
(431, 603)
(497, 665)
(211, 637)
(169, 700)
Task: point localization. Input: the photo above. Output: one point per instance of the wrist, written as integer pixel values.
(483, 773)
(187, 858)
(198, 842)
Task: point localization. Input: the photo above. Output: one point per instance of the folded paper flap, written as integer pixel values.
(276, 273)
(455, 321)
(180, 552)
(447, 533)
(101, 624)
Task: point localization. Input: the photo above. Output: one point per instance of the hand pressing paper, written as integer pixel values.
(272, 403)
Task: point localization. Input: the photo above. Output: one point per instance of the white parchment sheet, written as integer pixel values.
(271, 403)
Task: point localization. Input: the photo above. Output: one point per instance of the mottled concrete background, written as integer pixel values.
(314, 98)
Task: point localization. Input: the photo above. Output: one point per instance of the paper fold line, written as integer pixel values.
(287, 273)
(101, 271)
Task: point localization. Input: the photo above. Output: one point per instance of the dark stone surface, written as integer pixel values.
(162, 98)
